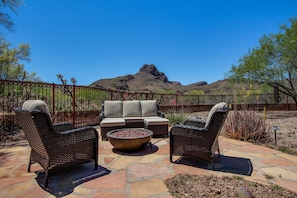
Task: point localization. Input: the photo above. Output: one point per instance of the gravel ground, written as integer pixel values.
(210, 186)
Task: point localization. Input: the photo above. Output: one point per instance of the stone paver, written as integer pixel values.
(147, 188)
(142, 174)
(278, 172)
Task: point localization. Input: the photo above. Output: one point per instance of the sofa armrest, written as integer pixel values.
(161, 114)
(101, 116)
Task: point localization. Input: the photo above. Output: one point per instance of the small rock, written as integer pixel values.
(216, 191)
(243, 192)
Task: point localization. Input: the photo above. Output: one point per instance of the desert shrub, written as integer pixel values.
(246, 125)
(9, 130)
(176, 116)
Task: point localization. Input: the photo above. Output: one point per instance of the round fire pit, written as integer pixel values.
(129, 139)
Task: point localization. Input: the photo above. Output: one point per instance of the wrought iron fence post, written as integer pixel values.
(53, 99)
(73, 104)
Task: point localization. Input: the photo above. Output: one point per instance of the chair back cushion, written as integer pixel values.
(131, 108)
(113, 109)
(32, 105)
(217, 107)
(149, 108)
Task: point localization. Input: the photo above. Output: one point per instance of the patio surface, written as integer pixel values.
(140, 174)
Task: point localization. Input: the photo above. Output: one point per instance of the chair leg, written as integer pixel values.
(29, 166)
(96, 165)
(46, 180)
(212, 162)
(96, 152)
(30, 162)
(219, 152)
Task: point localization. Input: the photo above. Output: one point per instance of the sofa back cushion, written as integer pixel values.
(149, 108)
(131, 108)
(113, 109)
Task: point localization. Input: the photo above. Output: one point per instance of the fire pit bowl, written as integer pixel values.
(129, 139)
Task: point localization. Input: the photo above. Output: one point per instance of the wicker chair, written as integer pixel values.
(199, 141)
(59, 146)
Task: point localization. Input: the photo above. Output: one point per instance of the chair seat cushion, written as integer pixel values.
(110, 122)
(155, 121)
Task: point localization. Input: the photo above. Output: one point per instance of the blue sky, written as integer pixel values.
(188, 40)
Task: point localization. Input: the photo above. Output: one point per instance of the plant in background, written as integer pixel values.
(245, 124)
(176, 116)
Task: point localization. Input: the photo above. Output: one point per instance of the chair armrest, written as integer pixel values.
(63, 126)
(188, 131)
(76, 131)
(197, 122)
(70, 138)
(76, 135)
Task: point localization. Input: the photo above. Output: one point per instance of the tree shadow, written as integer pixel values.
(235, 165)
(64, 182)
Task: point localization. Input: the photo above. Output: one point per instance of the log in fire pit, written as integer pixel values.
(129, 139)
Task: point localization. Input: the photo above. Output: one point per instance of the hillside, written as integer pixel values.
(150, 79)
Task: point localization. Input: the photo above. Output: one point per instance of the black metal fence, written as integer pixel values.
(82, 105)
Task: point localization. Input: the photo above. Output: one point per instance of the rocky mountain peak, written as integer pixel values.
(152, 69)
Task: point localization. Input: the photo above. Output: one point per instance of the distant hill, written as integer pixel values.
(150, 79)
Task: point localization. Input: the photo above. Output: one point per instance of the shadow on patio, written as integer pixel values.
(235, 165)
(63, 183)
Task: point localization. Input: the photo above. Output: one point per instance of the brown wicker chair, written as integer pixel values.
(59, 146)
(198, 122)
(200, 141)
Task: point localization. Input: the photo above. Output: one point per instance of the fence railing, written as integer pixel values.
(82, 104)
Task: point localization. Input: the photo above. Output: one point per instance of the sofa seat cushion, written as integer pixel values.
(149, 108)
(113, 109)
(110, 122)
(131, 108)
(133, 119)
(155, 121)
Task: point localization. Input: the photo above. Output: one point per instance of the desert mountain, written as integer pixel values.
(149, 78)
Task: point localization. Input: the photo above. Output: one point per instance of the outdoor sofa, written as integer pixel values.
(132, 114)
